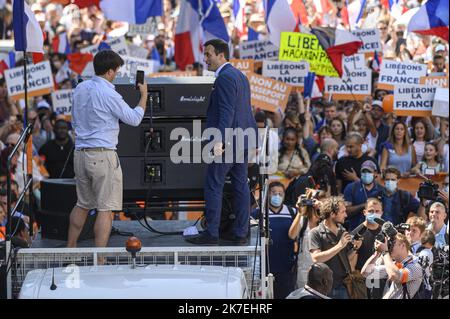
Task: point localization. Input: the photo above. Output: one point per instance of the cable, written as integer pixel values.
(67, 161)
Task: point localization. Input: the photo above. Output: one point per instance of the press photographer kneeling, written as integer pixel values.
(393, 260)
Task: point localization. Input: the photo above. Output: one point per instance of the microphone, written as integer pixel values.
(379, 221)
(359, 231)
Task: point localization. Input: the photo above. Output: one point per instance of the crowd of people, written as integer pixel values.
(357, 154)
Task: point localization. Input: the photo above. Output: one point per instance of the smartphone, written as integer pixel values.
(139, 78)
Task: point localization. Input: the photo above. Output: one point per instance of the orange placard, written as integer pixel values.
(436, 81)
(268, 94)
(244, 65)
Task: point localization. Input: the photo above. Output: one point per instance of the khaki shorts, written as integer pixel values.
(98, 178)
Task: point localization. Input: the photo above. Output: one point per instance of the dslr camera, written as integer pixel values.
(389, 231)
(428, 190)
(303, 201)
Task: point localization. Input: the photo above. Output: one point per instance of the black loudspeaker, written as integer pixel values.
(171, 96)
(59, 196)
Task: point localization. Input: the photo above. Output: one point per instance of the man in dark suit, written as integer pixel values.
(229, 109)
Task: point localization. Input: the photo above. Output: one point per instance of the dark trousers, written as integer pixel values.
(284, 284)
(215, 179)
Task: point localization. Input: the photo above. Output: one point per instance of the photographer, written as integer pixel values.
(329, 243)
(414, 234)
(438, 215)
(398, 264)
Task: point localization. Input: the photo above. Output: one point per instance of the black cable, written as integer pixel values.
(67, 161)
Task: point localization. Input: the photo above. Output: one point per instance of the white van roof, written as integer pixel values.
(147, 282)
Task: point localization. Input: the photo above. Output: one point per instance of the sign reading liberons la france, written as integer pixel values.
(394, 73)
(39, 76)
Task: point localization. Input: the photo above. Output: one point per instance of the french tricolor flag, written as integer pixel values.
(60, 44)
(198, 22)
(396, 7)
(238, 14)
(355, 11)
(376, 62)
(131, 11)
(431, 19)
(28, 35)
(279, 18)
(253, 35)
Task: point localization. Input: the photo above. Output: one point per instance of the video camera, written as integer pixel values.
(389, 231)
(428, 190)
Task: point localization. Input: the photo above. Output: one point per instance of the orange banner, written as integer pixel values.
(437, 81)
(244, 65)
(268, 94)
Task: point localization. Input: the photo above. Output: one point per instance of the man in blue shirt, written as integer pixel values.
(358, 192)
(97, 109)
(438, 215)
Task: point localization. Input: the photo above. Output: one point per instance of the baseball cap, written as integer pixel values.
(377, 103)
(369, 165)
(440, 47)
(43, 105)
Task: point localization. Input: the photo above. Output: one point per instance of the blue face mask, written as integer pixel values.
(367, 178)
(371, 218)
(276, 200)
(391, 186)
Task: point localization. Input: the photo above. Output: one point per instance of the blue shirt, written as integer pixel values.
(397, 212)
(281, 250)
(97, 109)
(440, 237)
(357, 195)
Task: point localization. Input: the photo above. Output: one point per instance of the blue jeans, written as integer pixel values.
(339, 292)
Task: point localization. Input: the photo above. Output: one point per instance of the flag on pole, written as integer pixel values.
(28, 35)
(355, 11)
(336, 44)
(78, 61)
(431, 19)
(198, 22)
(60, 44)
(239, 17)
(131, 11)
(279, 17)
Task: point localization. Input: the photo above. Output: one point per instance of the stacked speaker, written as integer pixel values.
(162, 153)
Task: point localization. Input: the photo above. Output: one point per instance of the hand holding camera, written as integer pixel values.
(345, 239)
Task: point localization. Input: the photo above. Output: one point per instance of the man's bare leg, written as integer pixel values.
(102, 228)
(77, 219)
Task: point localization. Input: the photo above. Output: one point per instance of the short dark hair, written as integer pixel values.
(106, 60)
(428, 237)
(437, 57)
(220, 46)
(392, 170)
(276, 184)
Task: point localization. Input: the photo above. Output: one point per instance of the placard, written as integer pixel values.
(40, 80)
(400, 73)
(173, 74)
(292, 73)
(131, 65)
(62, 101)
(118, 45)
(440, 103)
(258, 50)
(245, 66)
(298, 47)
(370, 39)
(354, 85)
(413, 100)
(268, 94)
(437, 81)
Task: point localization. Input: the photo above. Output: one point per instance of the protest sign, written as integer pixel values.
(354, 62)
(258, 50)
(370, 39)
(138, 52)
(149, 27)
(298, 47)
(40, 80)
(62, 103)
(173, 74)
(118, 45)
(131, 65)
(354, 85)
(437, 81)
(245, 66)
(440, 103)
(413, 100)
(397, 73)
(292, 73)
(268, 94)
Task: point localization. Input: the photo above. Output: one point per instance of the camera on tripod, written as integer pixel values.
(428, 190)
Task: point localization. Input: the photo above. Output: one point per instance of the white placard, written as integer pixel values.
(354, 62)
(370, 39)
(118, 45)
(440, 105)
(133, 64)
(400, 73)
(413, 100)
(62, 101)
(40, 80)
(292, 73)
(354, 84)
(137, 51)
(258, 50)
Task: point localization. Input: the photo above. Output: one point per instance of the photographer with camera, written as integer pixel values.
(331, 244)
(307, 219)
(393, 260)
(438, 216)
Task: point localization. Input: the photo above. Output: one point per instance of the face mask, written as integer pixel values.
(276, 200)
(391, 186)
(371, 218)
(367, 178)
(446, 189)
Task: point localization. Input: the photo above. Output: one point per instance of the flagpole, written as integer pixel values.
(29, 144)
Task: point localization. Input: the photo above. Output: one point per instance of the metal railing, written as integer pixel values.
(23, 139)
